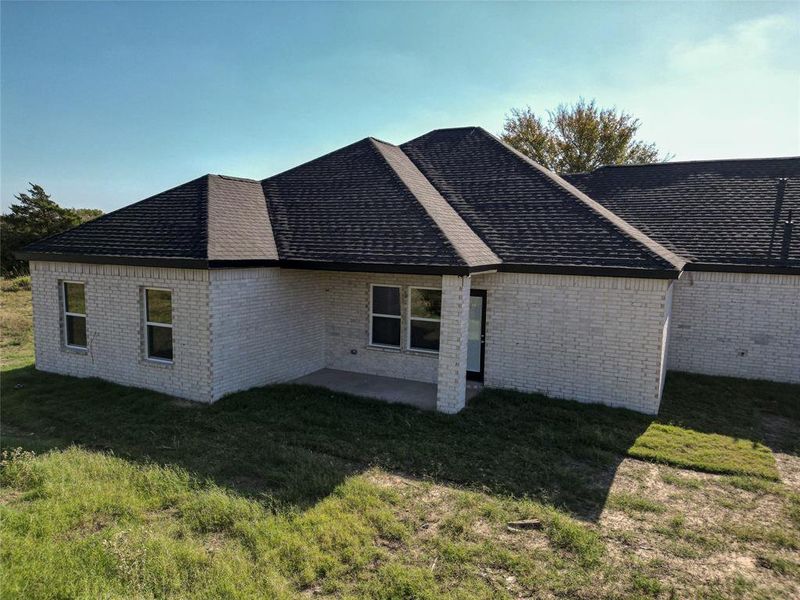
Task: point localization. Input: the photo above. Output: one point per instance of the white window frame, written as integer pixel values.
(74, 314)
(372, 314)
(164, 361)
(410, 318)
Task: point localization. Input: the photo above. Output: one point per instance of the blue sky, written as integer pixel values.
(107, 103)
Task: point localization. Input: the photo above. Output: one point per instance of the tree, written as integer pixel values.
(33, 217)
(87, 214)
(578, 138)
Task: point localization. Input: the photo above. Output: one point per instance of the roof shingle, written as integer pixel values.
(456, 200)
(525, 214)
(472, 250)
(350, 207)
(725, 212)
(238, 221)
(170, 224)
(210, 218)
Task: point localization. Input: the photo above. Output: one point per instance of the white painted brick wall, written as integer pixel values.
(665, 338)
(454, 334)
(588, 338)
(115, 329)
(593, 339)
(272, 325)
(737, 324)
(347, 298)
(267, 326)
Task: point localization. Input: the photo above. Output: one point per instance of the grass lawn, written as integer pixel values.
(291, 490)
(16, 313)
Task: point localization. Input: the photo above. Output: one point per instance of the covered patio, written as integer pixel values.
(389, 389)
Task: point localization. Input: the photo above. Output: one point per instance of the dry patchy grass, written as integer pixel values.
(16, 337)
(82, 523)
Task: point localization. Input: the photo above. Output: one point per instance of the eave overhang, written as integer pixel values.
(739, 268)
(410, 269)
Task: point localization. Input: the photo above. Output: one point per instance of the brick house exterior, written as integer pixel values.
(737, 324)
(242, 328)
(585, 295)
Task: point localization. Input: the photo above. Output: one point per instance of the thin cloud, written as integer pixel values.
(768, 41)
(733, 94)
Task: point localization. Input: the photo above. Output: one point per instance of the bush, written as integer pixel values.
(17, 284)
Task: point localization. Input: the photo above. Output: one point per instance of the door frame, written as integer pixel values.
(478, 375)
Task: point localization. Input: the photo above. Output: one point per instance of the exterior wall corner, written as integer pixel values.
(736, 325)
(115, 326)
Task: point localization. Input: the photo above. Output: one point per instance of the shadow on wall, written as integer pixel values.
(295, 443)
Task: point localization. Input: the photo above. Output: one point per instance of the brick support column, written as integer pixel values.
(452, 379)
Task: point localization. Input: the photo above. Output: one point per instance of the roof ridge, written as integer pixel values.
(380, 141)
(105, 216)
(468, 245)
(619, 223)
(432, 131)
(317, 159)
(238, 215)
(234, 178)
(688, 162)
(454, 128)
(205, 207)
(138, 202)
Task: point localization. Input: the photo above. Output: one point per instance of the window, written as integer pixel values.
(424, 316)
(75, 314)
(385, 316)
(158, 324)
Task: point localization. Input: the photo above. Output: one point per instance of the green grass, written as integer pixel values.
(737, 408)
(682, 481)
(708, 452)
(275, 439)
(121, 528)
(632, 503)
(754, 484)
(516, 443)
(290, 490)
(16, 337)
(84, 523)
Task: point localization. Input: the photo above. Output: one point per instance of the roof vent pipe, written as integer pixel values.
(776, 213)
(788, 225)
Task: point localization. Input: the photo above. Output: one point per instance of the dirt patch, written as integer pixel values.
(9, 496)
(789, 468)
(711, 533)
(214, 542)
(436, 510)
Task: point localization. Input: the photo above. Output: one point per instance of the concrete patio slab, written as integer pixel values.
(389, 389)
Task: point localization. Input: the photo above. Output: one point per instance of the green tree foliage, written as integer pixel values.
(33, 217)
(579, 137)
(87, 214)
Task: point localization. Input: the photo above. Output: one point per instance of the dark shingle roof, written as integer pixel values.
(453, 201)
(472, 249)
(526, 214)
(172, 223)
(210, 218)
(725, 212)
(238, 221)
(353, 207)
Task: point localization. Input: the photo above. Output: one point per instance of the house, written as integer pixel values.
(449, 257)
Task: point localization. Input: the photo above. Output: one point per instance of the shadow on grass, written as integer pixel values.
(296, 443)
(762, 411)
